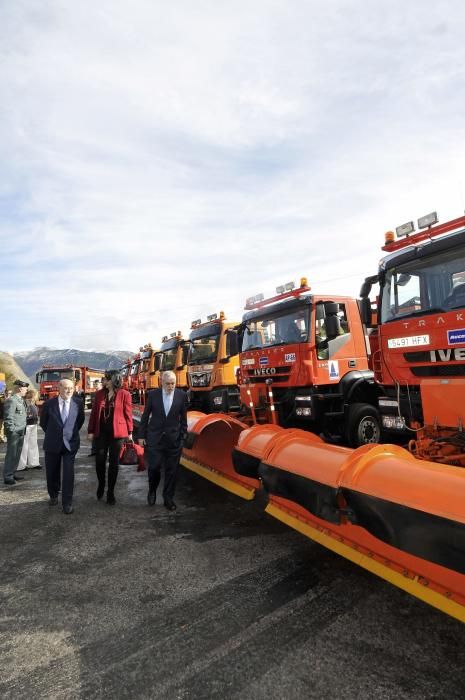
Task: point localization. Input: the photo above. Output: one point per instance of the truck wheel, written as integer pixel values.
(363, 426)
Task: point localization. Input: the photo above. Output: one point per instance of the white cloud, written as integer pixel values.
(160, 162)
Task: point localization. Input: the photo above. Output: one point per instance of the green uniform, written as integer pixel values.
(15, 426)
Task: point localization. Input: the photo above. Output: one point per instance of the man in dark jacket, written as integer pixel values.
(61, 419)
(162, 429)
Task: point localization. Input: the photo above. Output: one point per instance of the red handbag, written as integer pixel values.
(131, 453)
(128, 454)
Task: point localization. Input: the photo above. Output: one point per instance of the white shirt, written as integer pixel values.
(167, 401)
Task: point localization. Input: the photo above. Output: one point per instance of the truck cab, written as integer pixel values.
(212, 364)
(150, 367)
(304, 358)
(85, 380)
(173, 357)
(419, 337)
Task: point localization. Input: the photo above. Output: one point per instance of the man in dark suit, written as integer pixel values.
(162, 429)
(61, 419)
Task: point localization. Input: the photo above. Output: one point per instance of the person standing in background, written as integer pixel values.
(2, 431)
(110, 422)
(15, 427)
(93, 449)
(29, 458)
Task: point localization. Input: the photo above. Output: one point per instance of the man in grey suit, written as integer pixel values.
(15, 427)
(61, 419)
(162, 429)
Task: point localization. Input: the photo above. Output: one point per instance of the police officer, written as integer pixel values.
(15, 426)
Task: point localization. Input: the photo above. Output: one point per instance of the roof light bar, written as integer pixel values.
(212, 317)
(405, 229)
(428, 220)
(255, 299)
(197, 322)
(173, 335)
(164, 339)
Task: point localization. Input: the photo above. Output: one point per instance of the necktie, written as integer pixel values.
(64, 412)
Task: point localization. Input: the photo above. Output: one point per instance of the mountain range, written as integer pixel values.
(31, 361)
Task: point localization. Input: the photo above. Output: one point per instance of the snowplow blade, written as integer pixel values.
(208, 448)
(399, 517)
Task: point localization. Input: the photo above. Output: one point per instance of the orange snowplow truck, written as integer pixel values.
(143, 373)
(418, 343)
(86, 381)
(173, 356)
(212, 364)
(304, 363)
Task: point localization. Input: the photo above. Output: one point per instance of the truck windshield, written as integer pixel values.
(425, 286)
(277, 329)
(168, 361)
(54, 375)
(203, 349)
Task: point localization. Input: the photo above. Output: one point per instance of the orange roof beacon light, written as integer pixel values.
(389, 237)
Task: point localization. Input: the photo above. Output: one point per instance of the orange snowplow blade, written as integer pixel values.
(208, 449)
(401, 518)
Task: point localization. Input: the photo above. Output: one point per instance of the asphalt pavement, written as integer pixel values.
(216, 600)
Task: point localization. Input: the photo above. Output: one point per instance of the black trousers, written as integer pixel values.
(166, 458)
(107, 446)
(54, 461)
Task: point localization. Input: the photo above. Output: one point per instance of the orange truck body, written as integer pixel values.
(85, 379)
(418, 342)
(304, 363)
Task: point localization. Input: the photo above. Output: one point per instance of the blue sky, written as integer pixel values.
(162, 161)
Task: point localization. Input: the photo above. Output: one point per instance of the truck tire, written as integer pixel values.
(363, 425)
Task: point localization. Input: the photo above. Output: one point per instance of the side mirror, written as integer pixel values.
(232, 346)
(365, 289)
(333, 326)
(365, 311)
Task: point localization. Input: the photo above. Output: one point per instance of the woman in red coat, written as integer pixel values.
(110, 423)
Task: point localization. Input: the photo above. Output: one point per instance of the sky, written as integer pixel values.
(161, 161)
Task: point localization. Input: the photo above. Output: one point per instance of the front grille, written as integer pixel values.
(439, 371)
(282, 374)
(419, 356)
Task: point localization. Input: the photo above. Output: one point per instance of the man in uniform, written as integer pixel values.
(15, 426)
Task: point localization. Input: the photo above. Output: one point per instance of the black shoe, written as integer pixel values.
(18, 478)
(9, 482)
(169, 504)
(111, 500)
(53, 500)
(91, 454)
(151, 497)
(67, 510)
(37, 466)
(100, 492)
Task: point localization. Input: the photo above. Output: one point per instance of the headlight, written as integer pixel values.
(217, 400)
(393, 422)
(200, 379)
(303, 398)
(303, 412)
